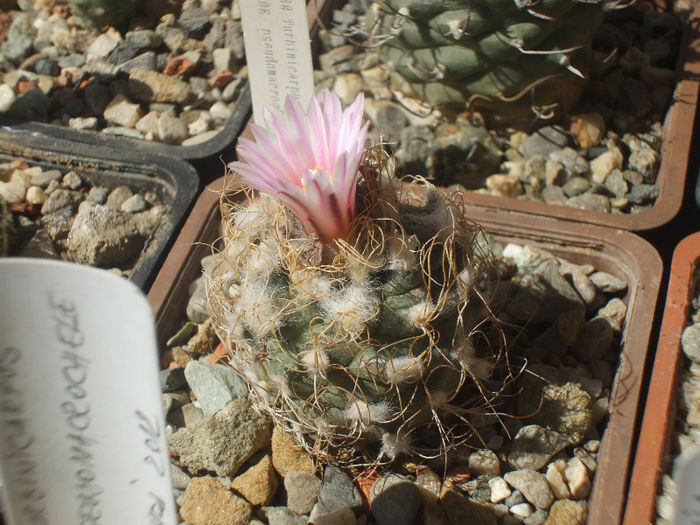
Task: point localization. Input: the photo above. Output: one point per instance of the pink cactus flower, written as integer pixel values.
(309, 161)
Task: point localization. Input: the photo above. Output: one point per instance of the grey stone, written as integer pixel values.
(72, 181)
(61, 198)
(576, 186)
(145, 62)
(134, 204)
(7, 97)
(533, 486)
(47, 66)
(390, 121)
(102, 236)
(484, 462)
(180, 479)
(118, 196)
(643, 193)
(223, 442)
(97, 194)
(690, 341)
(615, 311)
(172, 379)
(590, 201)
(214, 385)
(516, 498)
(616, 183)
(544, 141)
(339, 60)
(337, 492)
(31, 105)
(19, 41)
(344, 516)
(97, 96)
(171, 129)
(102, 46)
(534, 446)
(72, 60)
(194, 22)
(553, 195)
(83, 123)
(40, 245)
(395, 500)
(282, 516)
(196, 309)
(608, 283)
(152, 86)
(302, 491)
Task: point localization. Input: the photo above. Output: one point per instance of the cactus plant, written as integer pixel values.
(106, 12)
(506, 58)
(378, 340)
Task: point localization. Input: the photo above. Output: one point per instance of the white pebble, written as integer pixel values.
(522, 510)
(556, 481)
(499, 489)
(35, 195)
(576, 474)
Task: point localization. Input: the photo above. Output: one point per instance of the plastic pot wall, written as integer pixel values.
(660, 409)
(174, 181)
(618, 252)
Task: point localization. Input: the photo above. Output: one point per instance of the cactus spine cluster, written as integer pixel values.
(383, 345)
(508, 58)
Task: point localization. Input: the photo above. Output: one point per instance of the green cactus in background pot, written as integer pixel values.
(509, 59)
(106, 12)
(360, 322)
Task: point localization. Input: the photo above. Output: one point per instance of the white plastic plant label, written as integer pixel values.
(82, 435)
(687, 501)
(278, 53)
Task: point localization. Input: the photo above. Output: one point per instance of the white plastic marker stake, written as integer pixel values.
(687, 501)
(278, 53)
(82, 436)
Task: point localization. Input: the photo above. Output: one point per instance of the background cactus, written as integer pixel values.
(106, 12)
(508, 58)
(385, 344)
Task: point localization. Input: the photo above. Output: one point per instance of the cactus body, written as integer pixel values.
(509, 58)
(378, 347)
(106, 12)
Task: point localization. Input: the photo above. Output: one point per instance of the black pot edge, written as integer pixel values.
(173, 172)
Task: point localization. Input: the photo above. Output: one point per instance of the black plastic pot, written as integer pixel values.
(113, 164)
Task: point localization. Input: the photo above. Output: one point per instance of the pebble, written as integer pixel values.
(394, 499)
(258, 484)
(499, 489)
(134, 204)
(223, 442)
(576, 475)
(287, 455)
(214, 385)
(690, 342)
(557, 481)
(207, 502)
(338, 492)
(302, 491)
(532, 485)
(533, 446)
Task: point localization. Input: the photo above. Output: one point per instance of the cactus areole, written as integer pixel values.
(378, 341)
(512, 60)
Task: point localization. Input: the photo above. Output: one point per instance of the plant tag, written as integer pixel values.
(687, 500)
(278, 53)
(82, 433)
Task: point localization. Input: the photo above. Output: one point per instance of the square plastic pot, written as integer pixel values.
(220, 145)
(615, 251)
(674, 155)
(174, 181)
(660, 409)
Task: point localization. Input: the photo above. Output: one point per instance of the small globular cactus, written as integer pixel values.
(367, 339)
(106, 12)
(509, 59)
